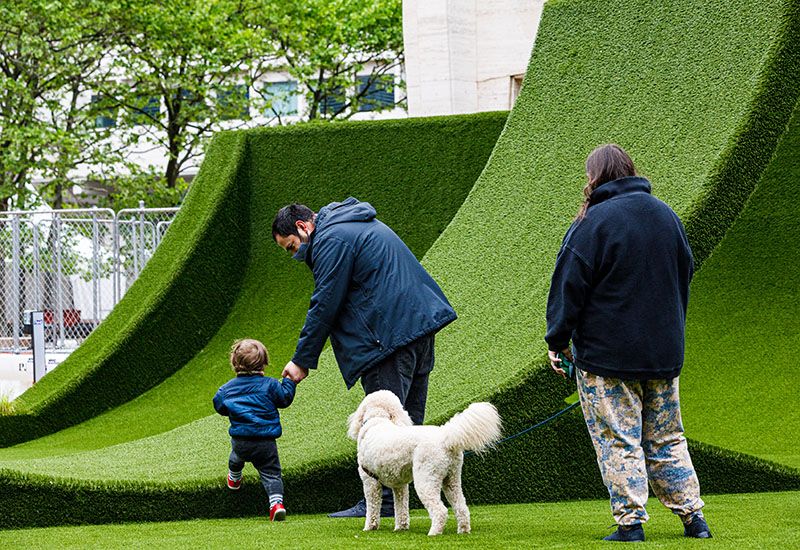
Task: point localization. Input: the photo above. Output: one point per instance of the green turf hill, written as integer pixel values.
(743, 329)
(416, 172)
(699, 91)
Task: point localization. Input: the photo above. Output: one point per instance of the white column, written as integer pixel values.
(461, 54)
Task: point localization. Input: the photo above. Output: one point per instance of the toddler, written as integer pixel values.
(251, 402)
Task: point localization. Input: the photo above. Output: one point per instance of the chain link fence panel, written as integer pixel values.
(75, 265)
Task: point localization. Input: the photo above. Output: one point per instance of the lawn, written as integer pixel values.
(763, 520)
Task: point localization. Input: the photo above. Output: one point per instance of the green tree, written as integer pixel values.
(326, 44)
(180, 70)
(50, 53)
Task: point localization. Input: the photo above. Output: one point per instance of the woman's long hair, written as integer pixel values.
(606, 163)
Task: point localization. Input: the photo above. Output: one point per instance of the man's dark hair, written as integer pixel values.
(284, 222)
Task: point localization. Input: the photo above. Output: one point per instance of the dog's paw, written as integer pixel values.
(401, 527)
(371, 527)
(433, 532)
(464, 529)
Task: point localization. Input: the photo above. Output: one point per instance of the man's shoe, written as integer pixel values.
(234, 484)
(359, 510)
(696, 527)
(627, 533)
(277, 512)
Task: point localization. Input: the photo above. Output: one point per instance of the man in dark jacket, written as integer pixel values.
(372, 298)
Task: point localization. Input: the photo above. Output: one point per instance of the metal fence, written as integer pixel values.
(75, 265)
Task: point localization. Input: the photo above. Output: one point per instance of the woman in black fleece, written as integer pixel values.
(619, 292)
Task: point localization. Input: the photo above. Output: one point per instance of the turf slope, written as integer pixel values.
(713, 88)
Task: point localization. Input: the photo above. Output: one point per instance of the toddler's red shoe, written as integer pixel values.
(277, 512)
(234, 484)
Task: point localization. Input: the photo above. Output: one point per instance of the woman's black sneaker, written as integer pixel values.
(696, 527)
(627, 533)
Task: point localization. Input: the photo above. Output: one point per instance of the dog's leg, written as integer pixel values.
(372, 496)
(401, 520)
(429, 490)
(455, 496)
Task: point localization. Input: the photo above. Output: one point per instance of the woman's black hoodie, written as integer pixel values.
(621, 285)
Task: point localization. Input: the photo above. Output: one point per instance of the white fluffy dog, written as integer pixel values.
(392, 451)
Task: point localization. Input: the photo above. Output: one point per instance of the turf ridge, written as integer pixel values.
(416, 172)
(115, 363)
(684, 121)
(743, 331)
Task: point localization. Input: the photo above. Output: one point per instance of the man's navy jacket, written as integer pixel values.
(371, 295)
(621, 285)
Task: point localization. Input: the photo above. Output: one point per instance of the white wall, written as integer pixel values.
(461, 54)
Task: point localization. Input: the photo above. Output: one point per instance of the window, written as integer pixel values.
(105, 116)
(333, 102)
(282, 98)
(380, 93)
(234, 102)
(147, 109)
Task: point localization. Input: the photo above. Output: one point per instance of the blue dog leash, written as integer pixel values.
(538, 425)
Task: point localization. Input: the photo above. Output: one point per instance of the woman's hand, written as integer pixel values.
(555, 362)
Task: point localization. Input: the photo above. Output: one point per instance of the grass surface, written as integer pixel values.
(743, 333)
(737, 521)
(698, 91)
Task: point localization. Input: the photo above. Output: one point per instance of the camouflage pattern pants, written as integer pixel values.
(637, 434)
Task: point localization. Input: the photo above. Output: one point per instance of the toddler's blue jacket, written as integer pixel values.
(251, 402)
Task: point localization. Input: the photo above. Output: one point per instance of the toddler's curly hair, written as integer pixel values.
(248, 356)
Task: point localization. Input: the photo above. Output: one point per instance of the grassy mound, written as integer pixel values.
(699, 92)
(127, 354)
(743, 326)
(416, 172)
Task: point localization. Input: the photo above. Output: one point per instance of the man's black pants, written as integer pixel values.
(405, 373)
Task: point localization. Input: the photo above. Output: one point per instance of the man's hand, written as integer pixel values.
(555, 362)
(293, 372)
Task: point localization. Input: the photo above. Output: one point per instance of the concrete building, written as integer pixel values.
(465, 56)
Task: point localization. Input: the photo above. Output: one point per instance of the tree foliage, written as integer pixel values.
(87, 87)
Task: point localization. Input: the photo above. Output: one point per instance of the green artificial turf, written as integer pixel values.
(737, 521)
(698, 91)
(743, 354)
(416, 172)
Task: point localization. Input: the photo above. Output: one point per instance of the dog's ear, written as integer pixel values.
(354, 422)
(399, 416)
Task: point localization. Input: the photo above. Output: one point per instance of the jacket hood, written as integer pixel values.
(350, 210)
(621, 186)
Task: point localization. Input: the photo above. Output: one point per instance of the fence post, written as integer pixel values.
(59, 317)
(95, 266)
(116, 281)
(37, 273)
(141, 238)
(15, 275)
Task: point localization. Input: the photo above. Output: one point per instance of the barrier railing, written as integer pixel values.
(75, 265)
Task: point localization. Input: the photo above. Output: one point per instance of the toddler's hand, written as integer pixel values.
(294, 372)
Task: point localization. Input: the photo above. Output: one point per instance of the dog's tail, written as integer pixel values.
(476, 429)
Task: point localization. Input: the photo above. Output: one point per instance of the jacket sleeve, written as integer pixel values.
(283, 393)
(219, 403)
(333, 268)
(571, 282)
